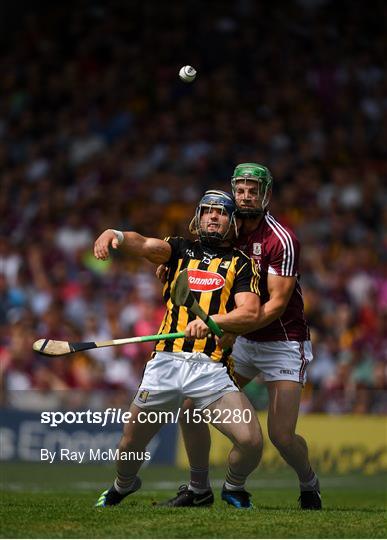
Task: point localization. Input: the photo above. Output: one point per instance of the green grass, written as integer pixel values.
(56, 501)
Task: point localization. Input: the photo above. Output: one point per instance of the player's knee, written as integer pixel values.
(281, 438)
(250, 443)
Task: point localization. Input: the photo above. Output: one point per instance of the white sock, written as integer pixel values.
(122, 490)
(198, 491)
(232, 487)
(312, 485)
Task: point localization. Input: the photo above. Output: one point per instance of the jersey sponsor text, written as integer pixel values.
(203, 281)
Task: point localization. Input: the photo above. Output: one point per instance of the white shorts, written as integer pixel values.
(169, 378)
(276, 360)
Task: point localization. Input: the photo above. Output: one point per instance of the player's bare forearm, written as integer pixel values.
(238, 321)
(280, 289)
(154, 250)
(244, 318)
(270, 311)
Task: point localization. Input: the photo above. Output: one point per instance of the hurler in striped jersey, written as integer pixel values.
(280, 348)
(225, 286)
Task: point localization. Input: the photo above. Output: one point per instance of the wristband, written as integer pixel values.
(119, 236)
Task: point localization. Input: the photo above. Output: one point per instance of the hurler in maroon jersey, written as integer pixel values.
(276, 251)
(279, 349)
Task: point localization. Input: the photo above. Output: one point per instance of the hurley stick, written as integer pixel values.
(51, 347)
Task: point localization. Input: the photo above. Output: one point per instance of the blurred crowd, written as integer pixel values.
(97, 131)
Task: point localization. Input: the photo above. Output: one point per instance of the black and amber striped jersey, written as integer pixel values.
(215, 275)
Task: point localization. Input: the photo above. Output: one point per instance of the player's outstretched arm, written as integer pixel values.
(154, 250)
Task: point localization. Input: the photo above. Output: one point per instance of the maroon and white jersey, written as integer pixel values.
(276, 250)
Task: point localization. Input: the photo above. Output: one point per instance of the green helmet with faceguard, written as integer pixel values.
(255, 173)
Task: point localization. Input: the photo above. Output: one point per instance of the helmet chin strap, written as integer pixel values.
(211, 241)
(250, 213)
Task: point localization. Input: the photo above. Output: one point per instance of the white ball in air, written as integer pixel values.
(187, 74)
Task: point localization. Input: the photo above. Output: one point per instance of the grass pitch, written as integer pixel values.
(56, 501)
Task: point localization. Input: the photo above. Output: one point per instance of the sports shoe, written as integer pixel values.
(111, 497)
(239, 499)
(187, 497)
(310, 500)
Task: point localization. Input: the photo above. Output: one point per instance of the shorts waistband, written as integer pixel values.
(187, 357)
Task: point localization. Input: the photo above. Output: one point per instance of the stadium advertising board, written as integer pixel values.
(23, 437)
(337, 444)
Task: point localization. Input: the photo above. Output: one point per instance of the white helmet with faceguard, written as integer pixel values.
(255, 173)
(219, 200)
